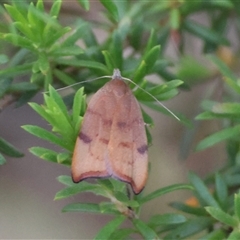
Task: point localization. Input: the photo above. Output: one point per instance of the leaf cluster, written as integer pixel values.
(65, 127)
(47, 52)
(211, 205)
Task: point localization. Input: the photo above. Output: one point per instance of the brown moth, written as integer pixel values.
(112, 141)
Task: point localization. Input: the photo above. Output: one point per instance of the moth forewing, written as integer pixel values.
(112, 141)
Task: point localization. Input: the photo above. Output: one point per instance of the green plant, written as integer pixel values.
(48, 54)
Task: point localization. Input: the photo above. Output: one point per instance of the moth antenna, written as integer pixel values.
(74, 84)
(117, 74)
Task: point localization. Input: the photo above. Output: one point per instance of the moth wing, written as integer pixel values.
(140, 153)
(128, 144)
(90, 156)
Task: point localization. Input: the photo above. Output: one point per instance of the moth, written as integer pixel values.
(112, 141)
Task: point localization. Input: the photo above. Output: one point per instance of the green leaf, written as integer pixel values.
(19, 41)
(164, 72)
(47, 78)
(163, 191)
(161, 92)
(173, 83)
(152, 41)
(109, 229)
(237, 205)
(40, 5)
(3, 59)
(202, 191)
(88, 207)
(140, 72)
(192, 71)
(165, 96)
(64, 158)
(62, 76)
(66, 180)
(175, 18)
(51, 39)
(157, 107)
(25, 30)
(43, 63)
(79, 107)
(56, 113)
(226, 109)
(108, 60)
(204, 33)
(233, 84)
(23, 86)
(145, 230)
(112, 8)
(214, 235)
(166, 219)
(44, 153)
(108, 207)
(83, 63)
(220, 25)
(209, 115)
(136, 35)
(219, 136)
(147, 119)
(41, 111)
(4, 85)
(122, 197)
(222, 67)
(189, 228)
(226, 4)
(221, 190)
(234, 235)
(87, 35)
(199, 211)
(71, 39)
(168, 95)
(151, 57)
(105, 183)
(46, 135)
(77, 188)
(55, 9)
(16, 70)
(116, 49)
(118, 186)
(122, 233)
(36, 21)
(85, 4)
(8, 149)
(58, 100)
(125, 25)
(232, 147)
(82, 207)
(15, 13)
(2, 159)
(233, 180)
(66, 51)
(221, 216)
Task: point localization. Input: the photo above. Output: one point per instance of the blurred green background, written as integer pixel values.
(28, 184)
